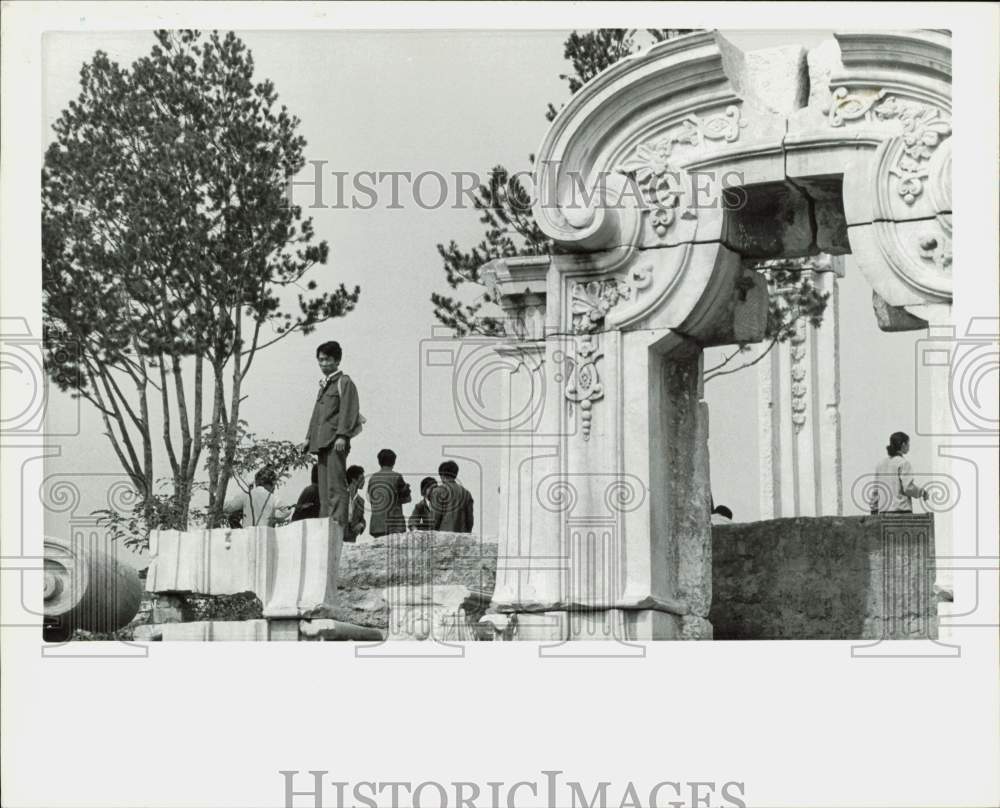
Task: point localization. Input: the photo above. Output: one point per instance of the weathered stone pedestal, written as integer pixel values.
(292, 570)
(846, 578)
(420, 585)
(302, 583)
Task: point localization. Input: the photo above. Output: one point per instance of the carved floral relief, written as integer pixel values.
(924, 128)
(590, 304)
(799, 389)
(658, 178)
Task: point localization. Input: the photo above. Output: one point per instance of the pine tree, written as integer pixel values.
(168, 244)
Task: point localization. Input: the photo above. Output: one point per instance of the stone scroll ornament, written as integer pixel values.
(590, 304)
(924, 129)
(658, 177)
(915, 165)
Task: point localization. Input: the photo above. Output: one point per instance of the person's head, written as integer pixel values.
(355, 476)
(426, 486)
(265, 478)
(314, 474)
(328, 355)
(899, 444)
(387, 458)
(723, 511)
(448, 470)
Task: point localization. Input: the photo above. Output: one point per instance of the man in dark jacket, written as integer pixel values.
(421, 517)
(308, 505)
(335, 419)
(387, 493)
(451, 504)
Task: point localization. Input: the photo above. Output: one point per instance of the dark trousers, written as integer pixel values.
(332, 483)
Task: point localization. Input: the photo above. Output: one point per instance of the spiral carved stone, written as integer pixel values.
(61, 496)
(87, 589)
(624, 495)
(557, 495)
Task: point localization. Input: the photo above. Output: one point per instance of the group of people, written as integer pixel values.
(444, 503)
(335, 487)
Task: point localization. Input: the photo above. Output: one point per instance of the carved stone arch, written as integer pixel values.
(860, 143)
(844, 149)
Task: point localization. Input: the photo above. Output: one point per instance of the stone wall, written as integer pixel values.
(804, 578)
(416, 585)
(824, 578)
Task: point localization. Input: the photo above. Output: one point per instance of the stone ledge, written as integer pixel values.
(256, 631)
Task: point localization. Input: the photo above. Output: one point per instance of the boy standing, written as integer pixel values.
(421, 517)
(356, 510)
(451, 503)
(334, 420)
(387, 493)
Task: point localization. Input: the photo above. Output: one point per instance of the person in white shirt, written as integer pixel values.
(894, 488)
(260, 506)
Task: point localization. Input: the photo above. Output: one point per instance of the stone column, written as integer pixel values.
(605, 532)
(799, 407)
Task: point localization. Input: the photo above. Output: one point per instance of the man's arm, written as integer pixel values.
(347, 417)
(469, 510)
(358, 524)
(437, 512)
(910, 488)
(402, 491)
(281, 510)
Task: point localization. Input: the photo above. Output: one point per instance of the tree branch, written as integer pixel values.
(764, 353)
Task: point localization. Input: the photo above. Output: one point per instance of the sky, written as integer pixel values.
(444, 101)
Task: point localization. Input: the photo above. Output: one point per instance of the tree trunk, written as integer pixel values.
(218, 405)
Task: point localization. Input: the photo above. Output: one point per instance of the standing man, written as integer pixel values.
(335, 420)
(387, 493)
(451, 504)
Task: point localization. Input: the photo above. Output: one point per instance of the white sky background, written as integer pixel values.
(444, 101)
